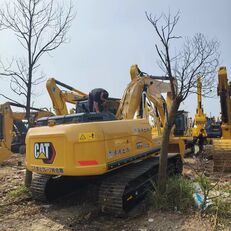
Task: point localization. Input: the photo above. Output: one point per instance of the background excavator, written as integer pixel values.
(121, 151)
(13, 128)
(212, 128)
(200, 117)
(222, 147)
(60, 98)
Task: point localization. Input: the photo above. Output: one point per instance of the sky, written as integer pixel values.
(107, 37)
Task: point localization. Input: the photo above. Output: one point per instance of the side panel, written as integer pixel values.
(87, 148)
(126, 140)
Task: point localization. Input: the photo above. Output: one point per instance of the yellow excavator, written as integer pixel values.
(122, 150)
(13, 129)
(222, 147)
(200, 117)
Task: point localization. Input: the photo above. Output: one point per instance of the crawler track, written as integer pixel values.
(119, 191)
(49, 188)
(39, 187)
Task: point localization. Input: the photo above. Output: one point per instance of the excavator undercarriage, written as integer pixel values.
(119, 191)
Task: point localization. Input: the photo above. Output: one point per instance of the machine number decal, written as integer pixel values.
(44, 151)
(117, 152)
(87, 136)
(47, 170)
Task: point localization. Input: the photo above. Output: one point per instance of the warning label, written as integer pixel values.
(87, 136)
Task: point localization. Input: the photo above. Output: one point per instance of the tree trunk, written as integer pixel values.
(28, 175)
(162, 176)
(163, 161)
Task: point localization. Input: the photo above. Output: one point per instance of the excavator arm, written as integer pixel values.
(143, 98)
(59, 97)
(153, 86)
(200, 117)
(222, 147)
(224, 91)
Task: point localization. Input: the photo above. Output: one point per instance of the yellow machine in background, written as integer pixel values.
(200, 117)
(13, 129)
(222, 147)
(68, 94)
(59, 98)
(122, 149)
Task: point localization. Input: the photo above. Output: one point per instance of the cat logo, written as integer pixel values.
(44, 151)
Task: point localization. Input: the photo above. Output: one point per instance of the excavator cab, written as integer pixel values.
(111, 105)
(181, 123)
(213, 128)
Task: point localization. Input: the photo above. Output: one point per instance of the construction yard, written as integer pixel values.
(79, 212)
(127, 127)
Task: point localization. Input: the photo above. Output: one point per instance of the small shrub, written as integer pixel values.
(19, 191)
(178, 195)
(221, 206)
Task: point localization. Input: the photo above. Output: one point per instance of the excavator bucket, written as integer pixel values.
(4, 154)
(222, 155)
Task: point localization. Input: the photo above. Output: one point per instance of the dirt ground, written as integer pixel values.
(19, 212)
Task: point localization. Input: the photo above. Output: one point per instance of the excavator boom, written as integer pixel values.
(200, 117)
(131, 101)
(221, 147)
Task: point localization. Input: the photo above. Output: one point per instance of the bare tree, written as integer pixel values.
(198, 57)
(40, 26)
